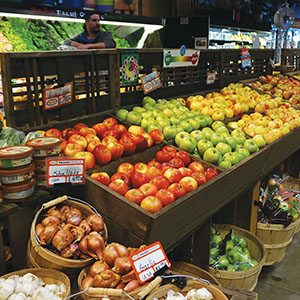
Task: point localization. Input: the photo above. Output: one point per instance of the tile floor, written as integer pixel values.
(282, 281)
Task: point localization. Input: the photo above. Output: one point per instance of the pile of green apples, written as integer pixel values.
(170, 116)
(231, 253)
(217, 145)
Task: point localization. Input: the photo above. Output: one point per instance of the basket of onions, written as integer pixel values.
(66, 234)
(113, 276)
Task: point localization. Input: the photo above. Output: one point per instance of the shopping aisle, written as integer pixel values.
(282, 281)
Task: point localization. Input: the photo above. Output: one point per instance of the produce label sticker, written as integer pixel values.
(64, 170)
(211, 77)
(57, 97)
(148, 261)
(245, 58)
(151, 82)
(129, 69)
(181, 57)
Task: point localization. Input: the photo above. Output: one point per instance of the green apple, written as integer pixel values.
(198, 135)
(225, 164)
(194, 122)
(240, 139)
(244, 152)
(148, 100)
(174, 120)
(259, 140)
(134, 118)
(177, 111)
(169, 132)
(223, 148)
(181, 136)
(186, 125)
(156, 113)
(149, 106)
(208, 132)
(167, 112)
(217, 138)
(203, 145)
(202, 121)
(146, 122)
(122, 113)
(147, 114)
(139, 109)
(217, 124)
(162, 101)
(187, 144)
(231, 141)
(212, 155)
(237, 132)
(233, 157)
(153, 127)
(209, 120)
(170, 105)
(222, 130)
(251, 145)
(160, 106)
(183, 109)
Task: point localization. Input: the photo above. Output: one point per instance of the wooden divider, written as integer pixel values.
(290, 57)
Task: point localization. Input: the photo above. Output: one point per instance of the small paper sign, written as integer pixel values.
(181, 57)
(64, 170)
(246, 58)
(57, 97)
(211, 77)
(149, 261)
(151, 82)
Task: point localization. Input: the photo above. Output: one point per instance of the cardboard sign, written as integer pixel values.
(180, 58)
(64, 170)
(246, 58)
(211, 77)
(148, 261)
(151, 82)
(57, 97)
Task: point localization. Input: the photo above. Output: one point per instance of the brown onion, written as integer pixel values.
(48, 233)
(53, 211)
(98, 267)
(131, 286)
(122, 265)
(69, 251)
(106, 279)
(83, 247)
(74, 219)
(96, 222)
(85, 227)
(75, 211)
(50, 220)
(62, 239)
(87, 282)
(121, 285)
(129, 277)
(95, 243)
(64, 210)
(112, 251)
(39, 228)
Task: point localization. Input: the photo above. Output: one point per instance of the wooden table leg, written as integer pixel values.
(254, 209)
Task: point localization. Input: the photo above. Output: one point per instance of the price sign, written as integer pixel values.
(151, 82)
(64, 170)
(211, 77)
(148, 261)
(57, 97)
(245, 58)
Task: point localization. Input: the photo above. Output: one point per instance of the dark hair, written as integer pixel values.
(88, 16)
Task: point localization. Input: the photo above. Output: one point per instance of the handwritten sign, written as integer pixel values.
(64, 170)
(148, 261)
(57, 97)
(151, 82)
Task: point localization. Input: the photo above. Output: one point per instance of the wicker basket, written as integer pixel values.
(48, 276)
(39, 256)
(242, 279)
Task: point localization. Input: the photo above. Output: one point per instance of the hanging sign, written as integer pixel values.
(181, 57)
(129, 67)
(57, 97)
(64, 170)
(245, 58)
(148, 261)
(151, 82)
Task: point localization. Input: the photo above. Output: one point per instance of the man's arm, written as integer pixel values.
(99, 45)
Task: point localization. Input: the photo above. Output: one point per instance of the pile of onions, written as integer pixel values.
(70, 234)
(113, 270)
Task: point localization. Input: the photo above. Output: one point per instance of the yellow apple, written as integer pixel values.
(218, 115)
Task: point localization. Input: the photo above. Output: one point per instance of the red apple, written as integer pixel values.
(135, 195)
(78, 126)
(161, 182)
(89, 159)
(170, 149)
(53, 132)
(184, 156)
(140, 142)
(102, 177)
(109, 139)
(148, 138)
(188, 183)
(140, 167)
(173, 175)
(134, 129)
(165, 166)
(157, 136)
(92, 138)
(119, 186)
(176, 163)
(210, 173)
(87, 130)
(153, 172)
(162, 156)
(196, 166)
(129, 145)
(151, 204)
(72, 148)
(113, 133)
(148, 189)
(78, 139)
(102, 155)
(116, 150)
(91, 146)
(199, 177)
(177, 189)
(185, 171)
(120, 129)
(126, 168)
(154, 163)
(122, 176)
(69, 132)
(63, 144)
(110, 122)
(100, 128)
(64, 132)
(166, 197)
(138, 179)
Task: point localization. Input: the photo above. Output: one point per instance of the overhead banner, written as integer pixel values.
(181, 58)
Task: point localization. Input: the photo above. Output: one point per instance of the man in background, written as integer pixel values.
(92, 37)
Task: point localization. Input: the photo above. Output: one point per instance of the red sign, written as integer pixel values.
(57, 97)
(151, 82)
(148, 261)
(64, 170)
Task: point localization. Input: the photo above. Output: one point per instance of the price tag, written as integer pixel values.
(211, 77)
(148, 261)
(57, 97)
(151, 82)
(64, 170)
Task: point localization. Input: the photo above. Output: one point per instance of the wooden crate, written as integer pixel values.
(290, 57)
(26, 75)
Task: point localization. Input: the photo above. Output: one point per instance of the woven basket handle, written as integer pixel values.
(105, 292)
(150, 287)
(54, 202)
